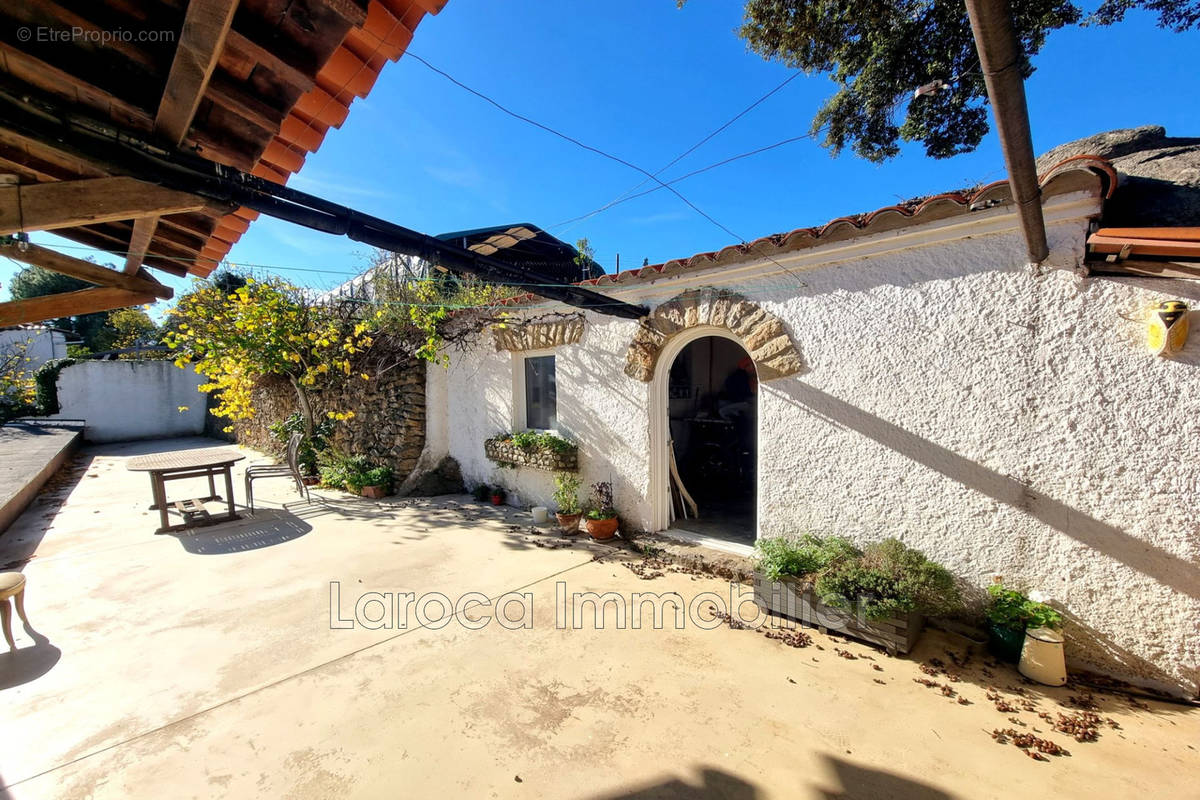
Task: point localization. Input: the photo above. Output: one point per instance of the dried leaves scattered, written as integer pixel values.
(790, 638)
(1031, 744)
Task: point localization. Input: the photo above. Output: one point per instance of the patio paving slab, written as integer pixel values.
(29, 455)
(205, 664)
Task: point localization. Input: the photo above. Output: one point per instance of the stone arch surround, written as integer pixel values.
(762, 333)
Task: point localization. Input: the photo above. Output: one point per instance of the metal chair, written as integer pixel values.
(289, 469)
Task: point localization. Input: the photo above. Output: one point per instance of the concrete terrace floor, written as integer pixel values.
(205, 664)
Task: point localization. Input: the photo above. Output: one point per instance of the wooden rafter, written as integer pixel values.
(64, 204)
(45, 258)
(205, 28)
(68, 304)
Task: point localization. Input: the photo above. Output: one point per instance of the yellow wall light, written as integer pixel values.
(1167, 328)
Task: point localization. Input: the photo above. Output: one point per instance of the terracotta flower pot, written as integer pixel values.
(569, 523)
(497, 499)
(312, 480)
(601, 529)
(374, 492)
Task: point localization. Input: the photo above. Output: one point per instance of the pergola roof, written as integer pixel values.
(253, 84)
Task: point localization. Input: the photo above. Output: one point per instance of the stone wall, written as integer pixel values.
(388, 426)
(762, 333)
(503, 451)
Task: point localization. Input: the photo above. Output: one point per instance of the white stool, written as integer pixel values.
(12, 584)
(1042, 657)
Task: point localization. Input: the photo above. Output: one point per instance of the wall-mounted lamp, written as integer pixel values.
(1167, 328)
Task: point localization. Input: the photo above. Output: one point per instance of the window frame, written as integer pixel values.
(520, 415)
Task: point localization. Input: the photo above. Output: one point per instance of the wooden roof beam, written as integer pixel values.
(91, 238)
(205, 29)
(69, 304)
(49, 259)
(287, 67)
(64, 204)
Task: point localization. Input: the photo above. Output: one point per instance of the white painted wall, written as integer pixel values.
(125, 400)
(39, 345)
(1003, 421)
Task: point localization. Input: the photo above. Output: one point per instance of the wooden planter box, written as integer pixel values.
(796, 600)
(503, 451)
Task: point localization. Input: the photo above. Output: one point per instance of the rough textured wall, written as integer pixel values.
(125, 400)
(388, 424)
(609, 426)
(1005, 422)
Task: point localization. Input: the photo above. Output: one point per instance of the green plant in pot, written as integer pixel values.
(889, 579)
(566, 500)
(355, 474)
(498, 495)
(376, 482)
(807, 555)
(601, 515)
(1009, 614)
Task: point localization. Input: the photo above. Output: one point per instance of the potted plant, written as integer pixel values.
(341, 471)
(601, 515)
(566, 498)
(879, 594)
(482, 492)
(1008, 615)
(377, 482)
(498, 495)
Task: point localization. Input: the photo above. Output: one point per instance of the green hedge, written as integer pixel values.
(46, 379)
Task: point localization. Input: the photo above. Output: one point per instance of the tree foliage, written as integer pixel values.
(17, 387)
(37, 282)
(126, 328)
(267, 327)
(878, 53)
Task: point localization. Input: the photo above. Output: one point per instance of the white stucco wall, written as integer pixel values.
(1004, 421)
(37, 345)
(125, 400)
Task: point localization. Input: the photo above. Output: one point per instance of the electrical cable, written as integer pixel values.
(597, 151)
(621, 197)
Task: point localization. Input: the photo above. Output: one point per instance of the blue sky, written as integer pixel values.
(645, 80)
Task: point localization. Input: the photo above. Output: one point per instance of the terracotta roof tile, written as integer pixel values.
(350, 72)
(1068, 175)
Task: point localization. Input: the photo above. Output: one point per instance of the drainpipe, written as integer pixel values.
(1000, 60)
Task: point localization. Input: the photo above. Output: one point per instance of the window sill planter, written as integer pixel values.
(506, 453)
(795, 599)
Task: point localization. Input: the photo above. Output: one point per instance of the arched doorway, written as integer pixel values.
(712, 420)
(706, 415)
(664, 333)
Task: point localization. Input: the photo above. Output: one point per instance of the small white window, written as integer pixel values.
(541, 397)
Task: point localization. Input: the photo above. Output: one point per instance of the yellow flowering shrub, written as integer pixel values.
(266, 327)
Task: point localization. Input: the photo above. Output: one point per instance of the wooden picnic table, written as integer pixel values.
(179, 464)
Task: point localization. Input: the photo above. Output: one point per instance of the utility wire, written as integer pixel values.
(597, 151)
(684, 177)
(570, 139)
(623, 196)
